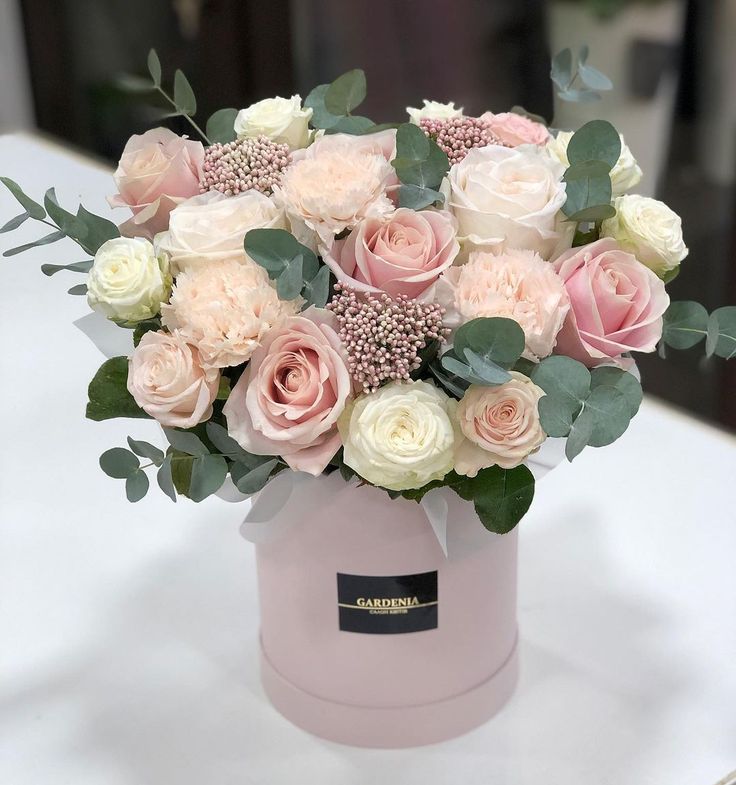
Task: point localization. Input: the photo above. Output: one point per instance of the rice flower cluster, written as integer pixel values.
(256, 163)
(458, 135)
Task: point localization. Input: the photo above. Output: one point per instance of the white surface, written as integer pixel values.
(128, 633)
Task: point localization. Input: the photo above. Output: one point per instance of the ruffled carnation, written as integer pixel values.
(518, 285)
(225, 309)
(335, 183)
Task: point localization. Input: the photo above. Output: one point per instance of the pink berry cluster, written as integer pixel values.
(459, 135)
(383, 335)
(253, 162)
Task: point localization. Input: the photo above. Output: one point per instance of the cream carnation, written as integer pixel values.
(433, 110)
(518, 285)
(225, 309)
(625, 175)
(212, 227)
(335, 183)
(166, 379)
(508, 195)
(401, 436)
(280, 119)
(648, 229)
(500, 425)
(128, 282)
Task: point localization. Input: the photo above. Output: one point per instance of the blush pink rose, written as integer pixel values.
(616, 303)
(515, 129)
(294, 389)
(166, 379)
(157, 171)
(401, 253)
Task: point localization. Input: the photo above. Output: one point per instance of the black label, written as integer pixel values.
(387, 605)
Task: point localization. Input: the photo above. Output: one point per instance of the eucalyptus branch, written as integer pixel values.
(180, 113)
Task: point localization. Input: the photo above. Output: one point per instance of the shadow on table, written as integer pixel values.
(166, 690)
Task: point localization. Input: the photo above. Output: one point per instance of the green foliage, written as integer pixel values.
(346, 93)
(332, 105)
(79, 289)
(108, 392)
(146, 450)
(33, 209)
(208, 474)
(590, 408)
(686, 323)
(45, 240)
(119, 463)
(221, 126)
(186, 442)
(76, 267)
(164, 478)
(154, 67)
(420, 165)
(294, 267)
(184, 98)
(566, 71)
(136, 486)
(147, 326)
(249, 478)
(14, 223)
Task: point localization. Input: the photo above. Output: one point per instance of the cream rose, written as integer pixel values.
(166, 379)
(500, 425)
(212, 227)
(128, 281)
(401, 436)
(335, 183)
(433, 110)
(225, 309)
(518, 285)
(648, 229)
(625, 175)
(508, 195)
(280, 119)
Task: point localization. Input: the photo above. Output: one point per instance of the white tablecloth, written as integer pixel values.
(128, 632)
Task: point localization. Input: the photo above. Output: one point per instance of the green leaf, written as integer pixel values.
(561, 71)
(76, 267)
(146, 450)
(223, 388)
(181, 471)
(273, 249)
(593, 78)
(496, 339)
(208, 474)
(252, 479)
(490, 372)
(355, 124)
(588, 192)
(315, 101)
(625, 382)
(564, 379)
(411, 143)
(427, 173)
(164, 478)
(459, 369)
(14, 223)
(32, 208)
(184, 98)
(221, 126)
(78, 289)
(611, 415)
(555, 417)
(724, 324)
(317, 291)
(186, 442)
(108, 392)
(71, 225)
(502, 496)
(119, 463)
(580, 433)
(225, 443)
(346, 93)
(289, 283)
(454, 384)
(141, 328)
(597, 140)
(417, 198)
(45, 240)
(98, 230)
(136, 486)
(685, 324)
(670, 275)
(595, 214)
(154, 67)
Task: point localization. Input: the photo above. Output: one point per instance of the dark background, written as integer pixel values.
(482, 54)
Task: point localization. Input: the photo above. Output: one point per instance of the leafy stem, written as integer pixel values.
(179, 113)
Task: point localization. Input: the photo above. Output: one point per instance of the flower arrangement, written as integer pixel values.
(416, 306)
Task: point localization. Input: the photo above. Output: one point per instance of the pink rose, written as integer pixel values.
(401, 253)
(157, 170)
(616, 303)
(166, 379)
(294, 389)
(515, 129)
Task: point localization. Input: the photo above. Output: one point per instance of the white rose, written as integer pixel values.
(625, 175)
(128, 281)
(212, 227)
(433, 110)
(401, 436)
(280, 119)
(499, 194)
(648, 229)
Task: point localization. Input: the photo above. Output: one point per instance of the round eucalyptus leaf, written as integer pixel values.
(611, 415)
(136, 486)
(502, 496)
(724, 320)
(580, 434)
(208, 474)
(685, 324)
(555, 418)
(564, 379)
(119, 463)
(597, 140)
(625, 382)
(495, 338)
(346, 92)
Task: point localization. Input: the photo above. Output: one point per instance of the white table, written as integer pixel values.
(128, 633)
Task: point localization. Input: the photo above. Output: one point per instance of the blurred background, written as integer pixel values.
(673, 64)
